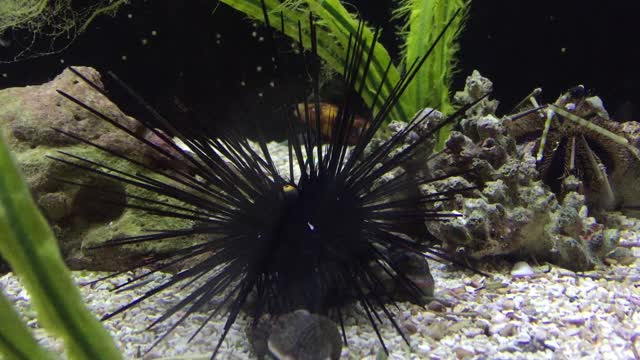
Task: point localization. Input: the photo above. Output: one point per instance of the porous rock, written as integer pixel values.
(512, 213)
(28, 117)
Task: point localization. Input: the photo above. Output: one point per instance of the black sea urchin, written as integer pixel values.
(315, 241)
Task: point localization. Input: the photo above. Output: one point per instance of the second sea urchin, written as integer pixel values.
(317, 238)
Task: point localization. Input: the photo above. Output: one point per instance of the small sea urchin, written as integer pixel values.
(312, 241)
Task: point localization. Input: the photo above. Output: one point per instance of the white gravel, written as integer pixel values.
(554, 314)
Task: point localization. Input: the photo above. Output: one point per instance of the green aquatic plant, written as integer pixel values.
(422, 19)
(423, 22)
(31, 249)
(16, 341)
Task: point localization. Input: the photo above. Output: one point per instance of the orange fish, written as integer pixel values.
(328, 115)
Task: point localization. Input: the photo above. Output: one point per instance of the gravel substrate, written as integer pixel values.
(554, 314)
(551, 314)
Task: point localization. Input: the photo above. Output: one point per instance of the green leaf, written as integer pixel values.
(16, 342)
(423, 22)
(31, 249)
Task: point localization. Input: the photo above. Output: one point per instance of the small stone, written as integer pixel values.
(437, 306)
(463, 353)
(472, 332)
(424, 348)
(508, 304)
(499, 318)
(301, 334)
(410, 328)
(457, 291)
(437, 331)
(551, 344)
(523, 338)
(574, 320)
(508, 330)
(502, 291)
(522, 269)
(477, 281)
(539, 334)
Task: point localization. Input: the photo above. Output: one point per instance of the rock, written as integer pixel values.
(79, 215)
(463, 353)
(416, 268)
(522, 269)
(513, 212)
(301, 335)
(437, 306)
(475, 87)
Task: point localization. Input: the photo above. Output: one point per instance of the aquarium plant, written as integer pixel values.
(423, 20)
(31, 249)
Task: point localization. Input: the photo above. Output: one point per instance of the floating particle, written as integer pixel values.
(259, 68)
(272, 83)
(242, 83)
(4, 75)
(130, 16)
(144, 41)
(254, 34)
(260, 94)
(154, 33)
(61, 61)
(261, 39)
(124, 57)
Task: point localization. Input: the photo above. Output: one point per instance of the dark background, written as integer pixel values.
(207, 62)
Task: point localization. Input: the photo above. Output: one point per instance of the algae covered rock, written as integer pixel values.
(82, 210)
(511, 212)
